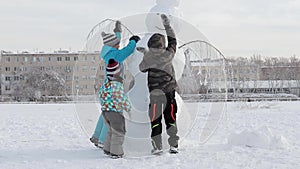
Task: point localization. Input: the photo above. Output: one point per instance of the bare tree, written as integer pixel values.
(37, 83)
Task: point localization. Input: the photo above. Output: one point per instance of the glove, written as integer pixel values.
(165, 19)
(135, 38)
(118, 27)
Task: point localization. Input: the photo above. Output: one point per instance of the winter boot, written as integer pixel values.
(157, 148)
(114, 156)
(173, 149)
(106, 152)
(156, 151)
(96, 142)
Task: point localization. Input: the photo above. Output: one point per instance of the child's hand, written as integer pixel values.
(118, 27)
(165, 19)
(135, 38)
(141, 49)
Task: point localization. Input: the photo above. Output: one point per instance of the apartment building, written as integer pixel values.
(82, 72)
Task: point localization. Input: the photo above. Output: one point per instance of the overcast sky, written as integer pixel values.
(236, 27)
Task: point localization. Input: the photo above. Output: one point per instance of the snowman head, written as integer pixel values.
(167, 7)
(168, 3)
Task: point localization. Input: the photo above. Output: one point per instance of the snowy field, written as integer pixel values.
(250, 135)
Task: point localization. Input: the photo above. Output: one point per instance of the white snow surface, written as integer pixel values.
(248, 136)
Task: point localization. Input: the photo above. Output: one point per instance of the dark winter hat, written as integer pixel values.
(110, 39)
(157, 41)
(113, 70)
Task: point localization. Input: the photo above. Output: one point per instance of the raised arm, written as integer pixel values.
(172, 42)
(128, 50)
(123, 54)
(118, 29)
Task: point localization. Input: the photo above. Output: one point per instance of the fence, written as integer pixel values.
(185, 97)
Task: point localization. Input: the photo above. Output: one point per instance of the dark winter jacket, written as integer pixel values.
(158, 64)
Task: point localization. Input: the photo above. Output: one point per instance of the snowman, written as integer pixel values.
(139, 94)
(137, 140)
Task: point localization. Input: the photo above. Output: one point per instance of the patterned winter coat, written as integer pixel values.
(113, 98)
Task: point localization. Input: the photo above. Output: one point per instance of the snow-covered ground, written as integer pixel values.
(250, 135)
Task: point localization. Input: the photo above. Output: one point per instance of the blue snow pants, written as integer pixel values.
(100, 130)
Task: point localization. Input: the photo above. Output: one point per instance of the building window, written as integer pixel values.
(76, 78)
(7, 88)
(84, 68)
(102, 68)
(85, 58)
(75, 58)
(17, 59)
(41, 59)
(76, 68)
(7, 69)
(7, 78)
(68, 78)
(59, 59)
(93, 77)
(84, 77)
(7, 59)
(93, 68)
(24, 69)
(68, 69)
(68, 58)
(34, 59)
(42, 68)
(50, 59)
(15, 69)
(25, 59)
(16, 78)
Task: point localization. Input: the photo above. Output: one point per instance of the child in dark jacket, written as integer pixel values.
(113, 99)
(157, 61)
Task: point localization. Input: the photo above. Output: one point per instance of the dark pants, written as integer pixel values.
(163, 104)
